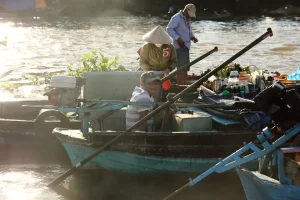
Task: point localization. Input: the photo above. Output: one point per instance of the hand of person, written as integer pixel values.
(180, 42)
(194, 39)
(167, 71)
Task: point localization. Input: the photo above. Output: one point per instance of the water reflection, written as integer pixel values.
(29, 182)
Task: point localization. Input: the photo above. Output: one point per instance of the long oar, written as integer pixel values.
(268, 33)
(186, 66)
(159, 109)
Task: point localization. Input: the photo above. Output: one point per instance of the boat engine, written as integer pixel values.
(65, 90)
(281, 103)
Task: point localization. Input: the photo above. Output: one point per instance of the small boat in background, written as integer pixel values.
(287, 10)
(16, 5)
(209, 16)
(13, 8)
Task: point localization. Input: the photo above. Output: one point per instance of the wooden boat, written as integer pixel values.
(26, 133)
(153, 152)
(259, 186)
(193, 142)
(167, 150)
(287, 10)
(22, 140)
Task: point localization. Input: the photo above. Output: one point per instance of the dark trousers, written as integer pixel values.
(183, 57)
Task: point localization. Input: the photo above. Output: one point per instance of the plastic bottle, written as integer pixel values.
(237, 89)
(228, 88)
(232, 89)
(242, 91)
(233, 77)
(223, 87)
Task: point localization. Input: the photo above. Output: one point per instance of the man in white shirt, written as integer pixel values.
(149, 83)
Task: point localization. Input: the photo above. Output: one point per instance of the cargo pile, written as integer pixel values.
(245, 82)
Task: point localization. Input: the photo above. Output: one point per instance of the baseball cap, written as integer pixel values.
(148, 77)
(191, 8)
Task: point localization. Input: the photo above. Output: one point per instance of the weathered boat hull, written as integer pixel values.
(148, 154)
(22, 140)
(260, 187)
(133, 163)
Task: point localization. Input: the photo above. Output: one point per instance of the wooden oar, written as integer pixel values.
(159, 109)
(186, 66)
(183, 68)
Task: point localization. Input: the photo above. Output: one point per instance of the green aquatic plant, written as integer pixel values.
(225, 72)
(96, 62)
(39, 79)
(4, 41)
(91, 62)
(9, 87)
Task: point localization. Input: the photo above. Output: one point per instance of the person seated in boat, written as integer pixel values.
(149, 83)
(158, 54)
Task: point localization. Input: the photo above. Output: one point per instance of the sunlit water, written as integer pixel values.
(29, 182)
(34, 45)
(39, 44)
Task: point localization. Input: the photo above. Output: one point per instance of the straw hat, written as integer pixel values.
(157, 36)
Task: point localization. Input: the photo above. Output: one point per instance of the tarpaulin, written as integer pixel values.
(13, 5)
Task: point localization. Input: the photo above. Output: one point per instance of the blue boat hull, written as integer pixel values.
(260, 187)
(133, 163)
(138, 164)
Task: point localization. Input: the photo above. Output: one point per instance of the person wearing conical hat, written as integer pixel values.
(158, 54)
(179, 28)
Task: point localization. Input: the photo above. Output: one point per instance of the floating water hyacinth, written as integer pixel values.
(4, 41)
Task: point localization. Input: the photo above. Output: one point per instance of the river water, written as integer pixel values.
(49, 44)
(34, 45)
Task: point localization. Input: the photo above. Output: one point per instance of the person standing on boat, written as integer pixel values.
(179, 28)
(149, 83)
(158, 54)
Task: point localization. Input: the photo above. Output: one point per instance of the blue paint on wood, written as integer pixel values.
(261, 187)
(139, 164)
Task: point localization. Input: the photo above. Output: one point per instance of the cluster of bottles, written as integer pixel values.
(238, 84)
(233, 85)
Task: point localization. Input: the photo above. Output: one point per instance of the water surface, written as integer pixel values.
(49, 44)
(37, 45)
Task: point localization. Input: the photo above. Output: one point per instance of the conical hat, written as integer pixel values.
(157, 36)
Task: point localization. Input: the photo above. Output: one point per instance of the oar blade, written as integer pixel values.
(60, 179)
(68, 194)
